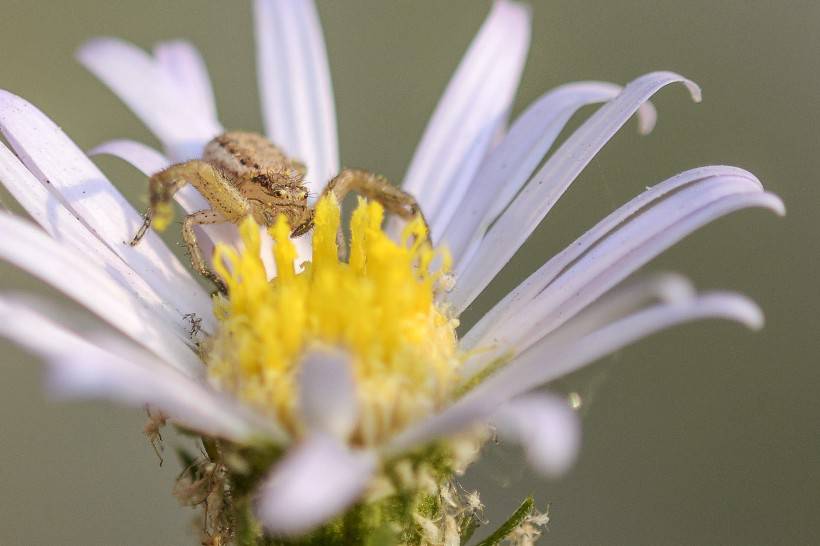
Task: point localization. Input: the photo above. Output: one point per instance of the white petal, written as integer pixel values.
(605, 255)
(146, 159)
(159, 99)
(185, 66)
(545, 426)
(35, 252)
(327, 393)
(65, 228)
(79, 368)
(294, 82)
(624, 252)
(512, 161)
(662, 287)
(474, 106)
(83, 189)
(524, 293)
(629, 298)
(530, 206)
(550, 359)
(547, 360)
(316, 480)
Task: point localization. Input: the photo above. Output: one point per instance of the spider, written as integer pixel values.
(244, 174)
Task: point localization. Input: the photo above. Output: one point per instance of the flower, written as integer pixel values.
(345, 382)
(380, 306)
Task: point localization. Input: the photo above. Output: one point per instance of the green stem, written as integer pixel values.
(467, 528)
(509, 526)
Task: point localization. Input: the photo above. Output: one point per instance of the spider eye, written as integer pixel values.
(280, 194)
(303, 195)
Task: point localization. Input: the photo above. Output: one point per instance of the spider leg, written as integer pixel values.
(204, 177)
(189, 236)
(228, 206)
(377, 187)
(161, 188)
(305, 226)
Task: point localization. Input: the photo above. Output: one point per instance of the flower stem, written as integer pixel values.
(509, 526)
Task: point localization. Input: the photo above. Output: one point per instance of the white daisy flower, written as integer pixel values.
(345, 384)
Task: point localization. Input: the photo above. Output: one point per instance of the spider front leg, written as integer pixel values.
(377, 187)
(161, 189)
(228, 206)
(189, 236)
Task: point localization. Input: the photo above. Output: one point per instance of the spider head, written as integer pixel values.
(272, 194)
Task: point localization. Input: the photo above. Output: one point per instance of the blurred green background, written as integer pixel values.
(707, 434)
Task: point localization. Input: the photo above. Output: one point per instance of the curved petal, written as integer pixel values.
(295, 85)
(67, 230)
(315, 481)
(79, 368)
(545, 426)
(34, 251)
(327, 393)
(655, 288)
(474, 107)
(509, 164)
(530, 206)
(604, 256)
(144, 158)
(550, 359)
(610, 262)
(156, 92)
(80, 186)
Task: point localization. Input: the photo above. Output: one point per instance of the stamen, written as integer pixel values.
(379, 307)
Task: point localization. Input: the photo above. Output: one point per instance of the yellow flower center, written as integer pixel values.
(379, 306)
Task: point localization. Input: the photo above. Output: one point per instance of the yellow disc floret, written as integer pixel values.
(379, 307)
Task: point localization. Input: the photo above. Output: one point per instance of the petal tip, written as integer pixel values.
(327, 392)
(546, 427)
(312, 483)
(734, 306)
(647, 118)
(753, 317)
(671, 77)
(92, 47)
(694, 90)
(674, 288)
(174, 43)
(510, 7)
(776, 204)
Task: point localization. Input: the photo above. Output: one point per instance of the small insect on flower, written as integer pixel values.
(243, 174)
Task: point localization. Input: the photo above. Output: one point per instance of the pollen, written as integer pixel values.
(379, 306)
(163, 215)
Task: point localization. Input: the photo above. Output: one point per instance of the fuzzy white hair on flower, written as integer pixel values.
(346, 368)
